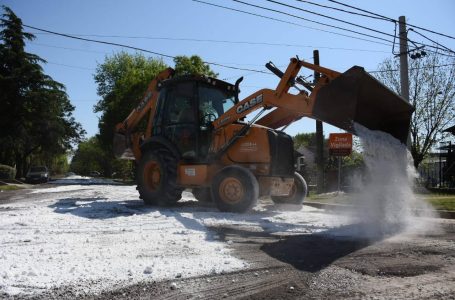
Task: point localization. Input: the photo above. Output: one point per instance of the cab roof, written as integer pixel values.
(199, 78)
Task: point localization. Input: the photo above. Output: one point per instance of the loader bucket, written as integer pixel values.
(121, 149)
(356, 97)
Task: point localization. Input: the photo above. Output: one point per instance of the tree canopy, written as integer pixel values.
(36, 116)
(87, 157)
(185, 65)
(122, 80)
(431, 92)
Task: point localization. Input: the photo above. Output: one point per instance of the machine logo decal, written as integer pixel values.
(253, 102)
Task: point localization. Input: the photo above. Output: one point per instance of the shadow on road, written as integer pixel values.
(99, 208)
(316, 251)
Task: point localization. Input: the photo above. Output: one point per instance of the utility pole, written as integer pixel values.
(404, 73)
(404, 68)
(319, 137)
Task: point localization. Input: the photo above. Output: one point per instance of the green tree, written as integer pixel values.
(90, 156)
(36, 116)
(306, 140)
(193, 65)
(432, 91)
(87, 157)
(122, 80)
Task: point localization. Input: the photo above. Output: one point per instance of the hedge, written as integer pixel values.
(7, 172)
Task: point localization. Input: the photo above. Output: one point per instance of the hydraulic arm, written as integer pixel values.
(340, 99)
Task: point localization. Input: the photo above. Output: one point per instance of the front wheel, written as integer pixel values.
(298, 192)
(157, 177)
(235, 189)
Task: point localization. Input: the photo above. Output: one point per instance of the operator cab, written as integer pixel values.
(187, 106)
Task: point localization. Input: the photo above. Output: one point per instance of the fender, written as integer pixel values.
(159, 142)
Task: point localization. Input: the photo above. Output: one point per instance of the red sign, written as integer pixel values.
(340, 144)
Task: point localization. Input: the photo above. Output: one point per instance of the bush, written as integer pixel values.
(7, 172)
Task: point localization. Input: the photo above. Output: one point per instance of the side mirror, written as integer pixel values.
(237, 90)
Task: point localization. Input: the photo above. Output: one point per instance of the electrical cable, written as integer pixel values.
(104, 52)
(346, 11)
(66, 48)
(282, 21)
(70, 66)
(390, 19)
(137, 49)
(363, 10)
(419, 68)
(341, 28)
(208, 41)
(327, 17)
(394, 36)
(436, 43)
(292, 23)
(309, 20)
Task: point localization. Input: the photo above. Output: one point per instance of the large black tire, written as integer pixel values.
(235, 189)
(202, 194)
(297, 195)
(157, 178)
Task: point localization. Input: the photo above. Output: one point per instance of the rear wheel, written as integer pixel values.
(298, 192)
(202, 194)
(235, 189)
(157, 178)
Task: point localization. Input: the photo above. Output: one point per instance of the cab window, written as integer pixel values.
(213, 103)
(180, 104)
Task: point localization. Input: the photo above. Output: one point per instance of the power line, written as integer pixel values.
(67, 48)
(210, 41)
(70, 66)
(345, 11)
(327, 17)
(291, 23)
(136, 48)
(436, 43)
(419, 68)
(309, 20)
(390, 19)
(342, 28)
(104, 52)
(364, 10)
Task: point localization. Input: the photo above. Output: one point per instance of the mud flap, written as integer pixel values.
(357, 97)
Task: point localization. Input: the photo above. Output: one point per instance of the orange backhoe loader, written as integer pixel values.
(195, 135)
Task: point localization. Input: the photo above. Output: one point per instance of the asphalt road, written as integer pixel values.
(311, 266)
(321, 267)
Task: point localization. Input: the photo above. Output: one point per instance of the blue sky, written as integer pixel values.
(73, 62)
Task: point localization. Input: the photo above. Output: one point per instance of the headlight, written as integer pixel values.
(43, 175)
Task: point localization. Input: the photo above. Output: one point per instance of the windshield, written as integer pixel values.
(38, 169)
(214, 102)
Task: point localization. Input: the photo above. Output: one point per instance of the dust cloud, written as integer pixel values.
(386, 203)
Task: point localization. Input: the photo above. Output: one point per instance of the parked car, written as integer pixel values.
(38, 174)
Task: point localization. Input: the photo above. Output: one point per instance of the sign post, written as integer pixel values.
(340, 144)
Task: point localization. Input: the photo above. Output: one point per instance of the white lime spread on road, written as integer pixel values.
(102, 236)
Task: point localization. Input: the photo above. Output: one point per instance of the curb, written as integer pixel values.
(443, 214)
